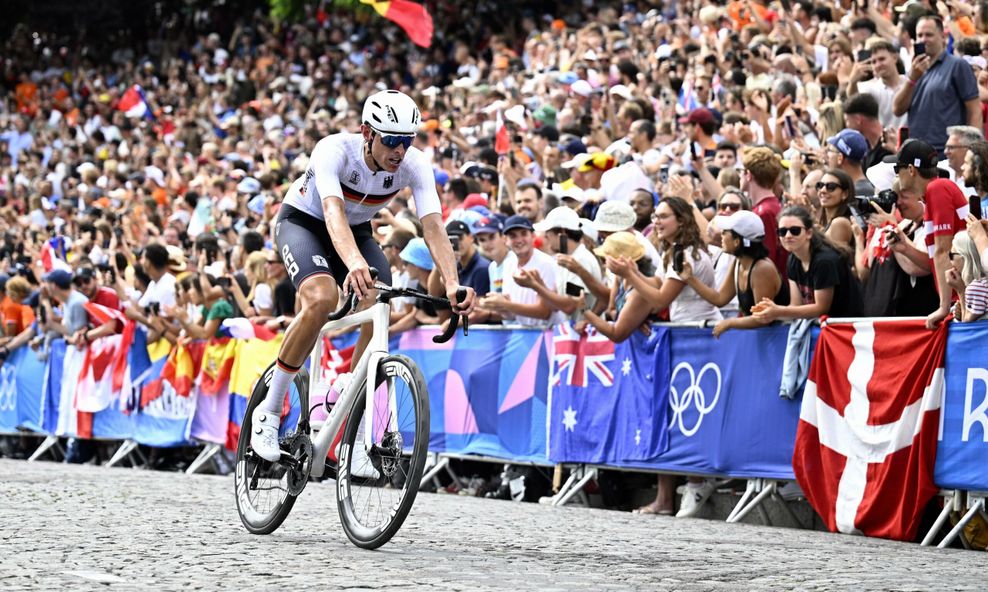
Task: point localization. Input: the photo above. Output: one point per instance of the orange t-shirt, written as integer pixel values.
(13, 313)
(27, 97)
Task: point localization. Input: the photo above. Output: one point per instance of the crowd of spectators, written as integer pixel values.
(736, 163)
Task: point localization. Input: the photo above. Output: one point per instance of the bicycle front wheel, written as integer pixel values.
(382, 457)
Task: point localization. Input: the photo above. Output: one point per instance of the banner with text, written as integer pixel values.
(962, 450)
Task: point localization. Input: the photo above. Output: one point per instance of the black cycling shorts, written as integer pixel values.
(307, 250)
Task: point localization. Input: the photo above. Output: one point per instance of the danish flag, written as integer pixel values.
(866, 441)
(576, 353)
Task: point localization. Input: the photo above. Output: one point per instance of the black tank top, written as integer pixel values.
(746, 297)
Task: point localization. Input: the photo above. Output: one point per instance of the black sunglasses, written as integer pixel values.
(734, 207)
(793, 230)
(830, 186)
(392, 141)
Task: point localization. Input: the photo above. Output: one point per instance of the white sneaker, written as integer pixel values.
(694, 497)
(264, 434)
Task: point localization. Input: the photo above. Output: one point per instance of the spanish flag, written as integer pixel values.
(182, 367)
(413, 18)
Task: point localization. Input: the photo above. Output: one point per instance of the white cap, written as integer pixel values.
(614, 216)
(590, 55)
(746, 224)
(563, 217)
(574, 193)
(620, 90)
(578, 160)
(582, 88)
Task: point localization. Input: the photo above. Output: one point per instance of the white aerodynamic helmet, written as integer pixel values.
(392, 112)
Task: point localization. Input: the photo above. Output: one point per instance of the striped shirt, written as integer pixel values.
(976, 297)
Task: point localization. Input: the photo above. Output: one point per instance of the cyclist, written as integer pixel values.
(324, 235)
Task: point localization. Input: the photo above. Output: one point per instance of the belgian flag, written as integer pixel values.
(413, 18)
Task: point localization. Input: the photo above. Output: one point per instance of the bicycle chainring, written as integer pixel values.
(300, 447)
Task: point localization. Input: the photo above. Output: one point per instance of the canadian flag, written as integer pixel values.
(866, 441)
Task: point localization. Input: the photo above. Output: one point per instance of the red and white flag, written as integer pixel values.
(502, 143)
(866, 442)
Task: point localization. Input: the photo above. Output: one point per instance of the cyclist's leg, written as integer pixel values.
(375, 257)
(305, 247)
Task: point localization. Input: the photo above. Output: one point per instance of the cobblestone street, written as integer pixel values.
(86, 527)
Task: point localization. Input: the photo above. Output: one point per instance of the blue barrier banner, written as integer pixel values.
(52, 388)
(607, 400)
(717, 402)
(962, 450)
(487, 391)
(725, 413)
(21, 379)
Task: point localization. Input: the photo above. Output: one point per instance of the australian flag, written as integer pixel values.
(608, 403)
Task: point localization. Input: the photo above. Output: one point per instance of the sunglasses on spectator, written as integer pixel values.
(392, 141)
(829, 186)
(272, 261)
(730, 206)
(952, 254)
(793, 230)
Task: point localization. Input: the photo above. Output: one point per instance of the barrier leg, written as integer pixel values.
(787, 509)
(127, 447)
(766, 491)
(577, 487)
(49, 443)
(948, 506)
(456, 478)
(978, 506)
(204, 457)
(221, 462)
(749, 491)
(764, 514)
(441, 463)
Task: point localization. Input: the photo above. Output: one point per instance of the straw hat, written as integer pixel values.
(621, 244)
(176, 259)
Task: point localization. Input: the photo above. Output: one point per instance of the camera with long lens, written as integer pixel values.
(885, 200)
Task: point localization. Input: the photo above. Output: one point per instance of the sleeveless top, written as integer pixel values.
(746, 297)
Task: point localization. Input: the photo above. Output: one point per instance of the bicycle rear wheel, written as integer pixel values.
(376, 488)
(266, 491)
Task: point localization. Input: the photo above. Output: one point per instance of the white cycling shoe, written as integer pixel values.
(264, 434)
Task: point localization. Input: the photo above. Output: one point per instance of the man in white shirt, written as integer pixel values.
(885, 81)
(160, 294)
(516, 304)
(577, 270)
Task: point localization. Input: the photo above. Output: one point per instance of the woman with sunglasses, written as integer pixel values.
(324, 234)
(752, 278)
(820, 278)
(836, 193)
(731, 201)
(678, 238)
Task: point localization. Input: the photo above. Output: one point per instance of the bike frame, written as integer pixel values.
(365, 372)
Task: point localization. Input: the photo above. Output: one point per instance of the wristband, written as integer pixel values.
(911, 81)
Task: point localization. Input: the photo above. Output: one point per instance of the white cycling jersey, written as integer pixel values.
(337, 170)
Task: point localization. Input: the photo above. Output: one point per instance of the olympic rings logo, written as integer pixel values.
(8, 388)
(693, 396)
